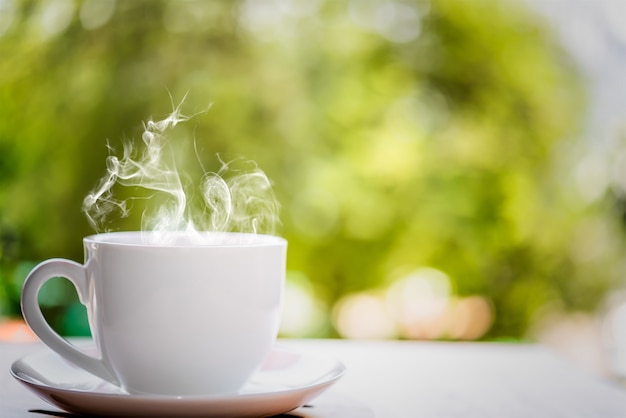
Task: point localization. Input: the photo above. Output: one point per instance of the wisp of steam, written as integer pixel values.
(238, 197)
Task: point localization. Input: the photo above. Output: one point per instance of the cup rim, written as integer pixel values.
(182, 239)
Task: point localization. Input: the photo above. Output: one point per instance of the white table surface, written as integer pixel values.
(396, 379)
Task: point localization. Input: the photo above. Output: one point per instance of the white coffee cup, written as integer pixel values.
(193, 316)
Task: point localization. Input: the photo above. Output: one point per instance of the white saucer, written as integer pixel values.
(286, 381)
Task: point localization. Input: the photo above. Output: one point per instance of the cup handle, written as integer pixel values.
(31, 310)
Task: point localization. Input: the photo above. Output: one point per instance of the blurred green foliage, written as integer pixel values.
(397, 134)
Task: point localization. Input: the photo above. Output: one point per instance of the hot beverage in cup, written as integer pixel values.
(188, 316)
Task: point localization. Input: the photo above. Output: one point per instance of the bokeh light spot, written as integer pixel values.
(7, 15)
(53, 17)
(363, 316)
(96, 13)
(302, 313)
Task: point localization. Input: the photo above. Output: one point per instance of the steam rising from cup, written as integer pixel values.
(236, 198)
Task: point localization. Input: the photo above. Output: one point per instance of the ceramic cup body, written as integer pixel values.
(182, 318)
